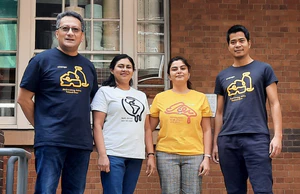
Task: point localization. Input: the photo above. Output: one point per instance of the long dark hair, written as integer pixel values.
(179, 58)
(111, 79)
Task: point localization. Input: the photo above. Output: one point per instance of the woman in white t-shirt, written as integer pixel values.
(121, 129)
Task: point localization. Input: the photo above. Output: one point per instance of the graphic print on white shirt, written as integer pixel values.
(133, 107)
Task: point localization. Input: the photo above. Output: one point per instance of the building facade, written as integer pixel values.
(152, 31)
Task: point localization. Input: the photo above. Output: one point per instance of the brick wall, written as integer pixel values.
(198, 32)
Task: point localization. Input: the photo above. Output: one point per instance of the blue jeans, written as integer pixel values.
(179, 174)
(243, 156)
(52, 161)
(123, 175)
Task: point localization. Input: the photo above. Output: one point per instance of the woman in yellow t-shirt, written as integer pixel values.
(183, 148)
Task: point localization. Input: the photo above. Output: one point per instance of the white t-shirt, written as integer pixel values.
(124, 125)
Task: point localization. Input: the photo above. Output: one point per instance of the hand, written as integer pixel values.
(103, 163)
(215, 154)
(275, 147)
(151, 167)
(204, 167)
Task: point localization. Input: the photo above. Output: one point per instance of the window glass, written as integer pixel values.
(7, 103)
(150, 10)
(111, 40)
(111, 9)
(7, 94)
(106, 36)
(102, 63)
(8, 8)
(7, 68)
(8, 51)
(98, 35)
(8, 31)
(103, 73)
(45, 34)
(48, 8)
(150, 39)
(150, 66)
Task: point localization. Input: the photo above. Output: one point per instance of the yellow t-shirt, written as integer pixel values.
(180, 118)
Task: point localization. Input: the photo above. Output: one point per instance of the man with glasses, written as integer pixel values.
(63, 83)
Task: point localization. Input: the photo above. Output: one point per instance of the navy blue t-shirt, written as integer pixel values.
(64, 87)
(244, 91)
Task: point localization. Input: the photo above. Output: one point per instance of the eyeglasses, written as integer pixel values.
(66, 29)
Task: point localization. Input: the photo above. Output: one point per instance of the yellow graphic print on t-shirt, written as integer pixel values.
(76, 79)
(236, 90)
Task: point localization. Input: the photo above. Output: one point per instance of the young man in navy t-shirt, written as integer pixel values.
(63, 83)
(241, 140)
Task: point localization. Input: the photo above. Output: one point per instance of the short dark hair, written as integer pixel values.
(72, 14)
(111, 79)
(238, 28)
(179, 58)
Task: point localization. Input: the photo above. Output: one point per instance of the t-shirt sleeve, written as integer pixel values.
(31, 76)
(206, 110)
(218, 86)
(99, 102)
(154, 111)
(147, 111)
(270, 76)
(95, 83)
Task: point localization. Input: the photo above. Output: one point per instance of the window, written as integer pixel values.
(8, 53)
(138, 28)
(151, 41)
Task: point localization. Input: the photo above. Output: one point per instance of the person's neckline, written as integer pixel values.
(124, 89)
(238, 66)
(181, 92)
(68, 54)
